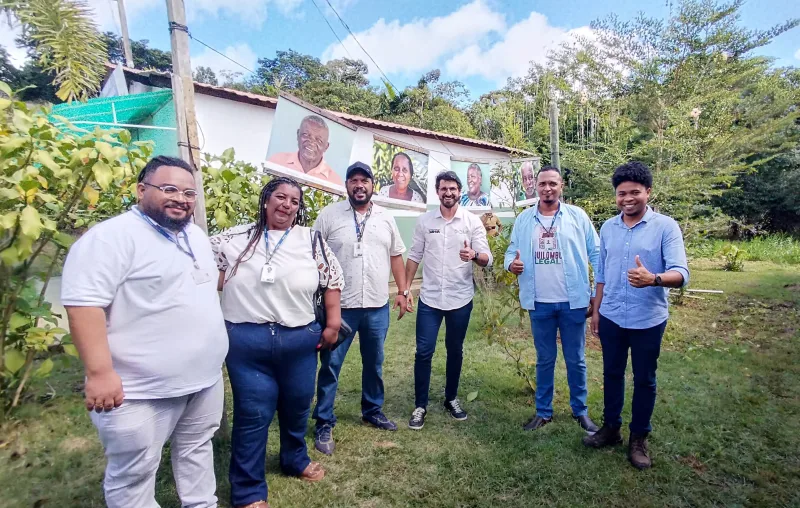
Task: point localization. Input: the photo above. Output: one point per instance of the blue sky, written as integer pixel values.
(479, 42)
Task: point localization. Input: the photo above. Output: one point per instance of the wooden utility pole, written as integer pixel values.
(183, 95)
(554, 152)
(126, 41)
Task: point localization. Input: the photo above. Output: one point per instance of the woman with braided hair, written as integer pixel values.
(269, 272)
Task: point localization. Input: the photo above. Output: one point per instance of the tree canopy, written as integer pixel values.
(685, 94)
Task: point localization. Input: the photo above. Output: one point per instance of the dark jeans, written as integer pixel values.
(271, 367)
(645, 346)
(371, 325)
(547, 319)
(429, 320)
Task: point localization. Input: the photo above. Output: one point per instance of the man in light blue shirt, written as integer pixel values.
(552, 245)
(641, 256)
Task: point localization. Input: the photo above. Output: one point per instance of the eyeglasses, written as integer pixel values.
(173, 192)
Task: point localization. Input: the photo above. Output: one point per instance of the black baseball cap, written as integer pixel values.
(359, 166)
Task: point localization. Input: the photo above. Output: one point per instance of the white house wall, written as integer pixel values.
(225, 123)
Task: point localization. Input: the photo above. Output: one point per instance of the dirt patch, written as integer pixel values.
(792, 287)
(386, 444)
(75, 444)
(593, 343)
(694, 463)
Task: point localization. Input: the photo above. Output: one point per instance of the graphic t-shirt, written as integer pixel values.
(550, 282)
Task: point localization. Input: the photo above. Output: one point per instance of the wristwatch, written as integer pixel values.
(657, 281)
(403, 293)
(474, 256)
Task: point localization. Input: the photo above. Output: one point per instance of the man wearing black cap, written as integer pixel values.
(365, 239)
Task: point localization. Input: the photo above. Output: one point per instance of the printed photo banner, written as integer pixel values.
(401, 173)
(525, 172)
(310, 145)
(475, 175)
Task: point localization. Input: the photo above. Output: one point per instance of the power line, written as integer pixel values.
(325, 18)
(376, 64)
(359, 44)
(222, 54)
(184, 28)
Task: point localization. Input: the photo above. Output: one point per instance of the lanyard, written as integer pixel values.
(174, 239)
(547, 230)
(266, 244)
(360, 227)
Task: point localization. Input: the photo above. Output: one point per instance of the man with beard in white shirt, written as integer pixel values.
(364, 238)
(141, 296)
(449, 239)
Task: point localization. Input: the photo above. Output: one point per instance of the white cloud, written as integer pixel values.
(241, 52)
(341, 5)
(106, 12)
(251, 12)
(471, 41)
(529, 40)
(797, 54)
(420, 44)
(18, 56)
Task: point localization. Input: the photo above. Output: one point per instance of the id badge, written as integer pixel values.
(201, 276)
(268, 274)
(358, 250)
(549, 243)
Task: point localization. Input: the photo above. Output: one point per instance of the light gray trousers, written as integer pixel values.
(134, 434)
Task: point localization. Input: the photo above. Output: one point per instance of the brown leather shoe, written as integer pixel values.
(313, 472)
(257, 504)
(638, 454)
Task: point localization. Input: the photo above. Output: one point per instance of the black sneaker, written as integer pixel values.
(323, 439)
(454, 407)
(379, 421)
(417, 420)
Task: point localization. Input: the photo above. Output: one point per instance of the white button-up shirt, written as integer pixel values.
(366, 277)
(446, 280)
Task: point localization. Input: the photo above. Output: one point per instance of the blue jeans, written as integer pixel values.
(271, 367)
(429, 320)
(371, 325)
(546, 320)
(645, 346)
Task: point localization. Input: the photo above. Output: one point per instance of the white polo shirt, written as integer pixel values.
(166, 332)
(366, 278)
(446, 280)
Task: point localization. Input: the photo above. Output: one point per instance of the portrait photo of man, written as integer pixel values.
(526, 170)
(528, 179)
(312, 143)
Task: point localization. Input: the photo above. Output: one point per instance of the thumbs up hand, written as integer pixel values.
(640, 277)
(516, 267)
(466, 253)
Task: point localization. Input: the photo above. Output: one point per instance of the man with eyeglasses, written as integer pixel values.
(140, 293)
(312, 143)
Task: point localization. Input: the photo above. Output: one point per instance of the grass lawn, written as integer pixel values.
(726, 424)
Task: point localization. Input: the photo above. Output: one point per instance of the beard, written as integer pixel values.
(360, 202)
(159, 215)
(448, 202)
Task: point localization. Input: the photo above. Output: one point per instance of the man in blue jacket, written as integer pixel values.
(551, 247)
